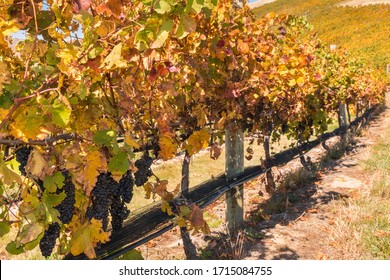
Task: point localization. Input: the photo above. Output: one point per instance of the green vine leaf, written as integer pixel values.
(163, 34)
(14, 248)
(4, 228)
(54, 182)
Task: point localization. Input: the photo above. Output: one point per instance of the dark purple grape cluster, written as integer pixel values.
(49, 238)
(22, 155)
(66, 207)
(110, 197)
(119, 213)
(144, 172)
(125, 187)
(101, 198)
(123, 193)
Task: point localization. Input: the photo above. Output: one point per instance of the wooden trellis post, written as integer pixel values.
(234, 164)
(343, 121)
(387, 99)
(189, 247)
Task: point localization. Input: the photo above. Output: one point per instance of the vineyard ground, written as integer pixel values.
(324, 214)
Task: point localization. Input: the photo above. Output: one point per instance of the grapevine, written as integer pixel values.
(94, 85)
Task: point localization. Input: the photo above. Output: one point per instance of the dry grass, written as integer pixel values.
(363, 223)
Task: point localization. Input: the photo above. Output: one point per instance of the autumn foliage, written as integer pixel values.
(96, 84)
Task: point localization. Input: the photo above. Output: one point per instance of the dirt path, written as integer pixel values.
(306, 230)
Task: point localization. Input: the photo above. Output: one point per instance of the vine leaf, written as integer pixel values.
(49, 201)
(29, 233)
(162, 7)
(94, 163)
(36, 164)
(28, 124)
(4, 229)
(8, 176)
(114, 59)
(86, 237)
(129, 140)
(60, 113)
(215, 151)
(168, 147)
(186, 26)
(118, 165)
(242, 46)
(196, 5)
(14, 248)
(104, 137)
(163, 34)
(197, 141)
(54, 182)
(132, 255)
(197, 219)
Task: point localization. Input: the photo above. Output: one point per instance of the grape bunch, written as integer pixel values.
(66, 207)
(101, 195)
(125, 187)
(49, 239)
(119, 213)
(22, 155)
(144, 172)
(123, 193)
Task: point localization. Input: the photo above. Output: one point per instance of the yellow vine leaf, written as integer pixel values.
(86, 237)
(168, 147)
(94, 162)
(242, 46)
(197, 141)
(8, 176)
(129, 140)
(28, 124)
(3, 113)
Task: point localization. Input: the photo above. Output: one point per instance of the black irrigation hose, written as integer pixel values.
(139, 243)
(135, 231)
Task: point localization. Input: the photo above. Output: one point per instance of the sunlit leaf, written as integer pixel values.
(4, 228)
(86, 237)
(119, 163)
(197, 141)
(168, 147)
(163, 34)
(60, 113)
(94, 164)
(54, 182)
(14, 248)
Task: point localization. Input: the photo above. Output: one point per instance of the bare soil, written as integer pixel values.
(300, 227)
